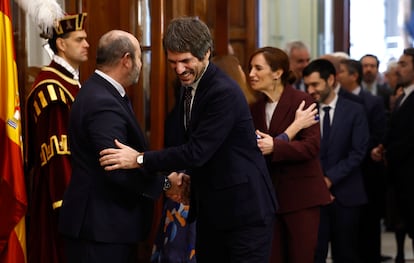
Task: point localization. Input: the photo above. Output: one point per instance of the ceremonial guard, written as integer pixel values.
(48, 154)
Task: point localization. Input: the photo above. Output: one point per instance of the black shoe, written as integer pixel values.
(399, 259)
(385, 258)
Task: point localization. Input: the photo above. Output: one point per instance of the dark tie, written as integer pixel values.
(326, 129)
(398, 101)
(187, 104)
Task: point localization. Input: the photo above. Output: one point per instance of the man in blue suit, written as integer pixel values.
(105, 213)
(349, 76)
(231, 192)
(343, 146)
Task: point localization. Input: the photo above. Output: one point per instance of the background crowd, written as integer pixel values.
(279, 161)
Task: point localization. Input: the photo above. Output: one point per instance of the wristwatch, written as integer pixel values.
(140, 160)
(167, 184)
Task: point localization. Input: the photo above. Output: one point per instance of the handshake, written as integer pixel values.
(179, 190)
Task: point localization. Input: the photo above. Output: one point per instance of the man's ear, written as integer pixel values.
(207, 55)
(126, 59)
(60, 44)
(331, 80)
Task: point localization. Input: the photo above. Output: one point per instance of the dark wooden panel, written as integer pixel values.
(341, 25)
(221, 27)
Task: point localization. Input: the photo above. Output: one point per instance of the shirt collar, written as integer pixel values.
(408, 90)
(195, 84)
(61, 61)
(332, 104)
(114, 83)
(357, 90)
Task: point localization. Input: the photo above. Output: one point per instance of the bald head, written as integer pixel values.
(113, 45)
(119, 56)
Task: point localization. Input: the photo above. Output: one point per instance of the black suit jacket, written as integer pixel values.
(99, 205)
(230, 182)
(399, 145)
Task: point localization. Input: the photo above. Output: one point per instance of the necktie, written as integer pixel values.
(399, 101)
(326, 129)
(187, 105)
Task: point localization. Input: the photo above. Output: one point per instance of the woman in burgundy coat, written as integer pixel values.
(292, 159)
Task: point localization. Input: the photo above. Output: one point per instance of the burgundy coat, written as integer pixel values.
(48, 158)
(294, 166)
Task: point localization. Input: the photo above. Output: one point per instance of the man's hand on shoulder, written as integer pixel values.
(123, 157)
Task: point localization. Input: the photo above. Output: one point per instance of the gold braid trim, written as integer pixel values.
(55, 147)
(57, 204)
(60, 74)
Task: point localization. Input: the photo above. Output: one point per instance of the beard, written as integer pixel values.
(369, 77)
(134, 74)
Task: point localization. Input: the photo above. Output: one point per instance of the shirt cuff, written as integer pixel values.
(283, 137)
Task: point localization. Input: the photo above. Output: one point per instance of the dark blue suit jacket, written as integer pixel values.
(376, 116)
(99, 205)
(374, 172)
(347, 146)
(230, 182)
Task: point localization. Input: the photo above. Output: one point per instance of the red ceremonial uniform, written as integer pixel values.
(48, 106)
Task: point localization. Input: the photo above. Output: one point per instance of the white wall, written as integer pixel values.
(281, 21)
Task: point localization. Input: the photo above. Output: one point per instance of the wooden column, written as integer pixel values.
(221, 27)
(341, 25)
(158, 75)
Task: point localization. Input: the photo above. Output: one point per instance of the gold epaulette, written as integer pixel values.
(44, 95)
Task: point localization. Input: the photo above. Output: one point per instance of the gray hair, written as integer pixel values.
(295, 45)
(392, 65)
(188, 34)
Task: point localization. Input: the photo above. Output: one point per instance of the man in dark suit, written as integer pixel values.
(370, 66)
(299, 57)
(232, 194)
(104, 214)
(343, 146)
(398, 146)
(350, 76)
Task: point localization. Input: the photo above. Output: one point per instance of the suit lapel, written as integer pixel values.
(111, 89)
(260, 115)
(281, 111)
(338, 115)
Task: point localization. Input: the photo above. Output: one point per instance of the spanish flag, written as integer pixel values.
(13, 199)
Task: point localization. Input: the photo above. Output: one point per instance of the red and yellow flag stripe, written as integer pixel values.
(13, 200)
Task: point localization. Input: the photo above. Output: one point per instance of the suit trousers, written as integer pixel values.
(244, 244)
(86, 251)
(339, 226)
(295, 236)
